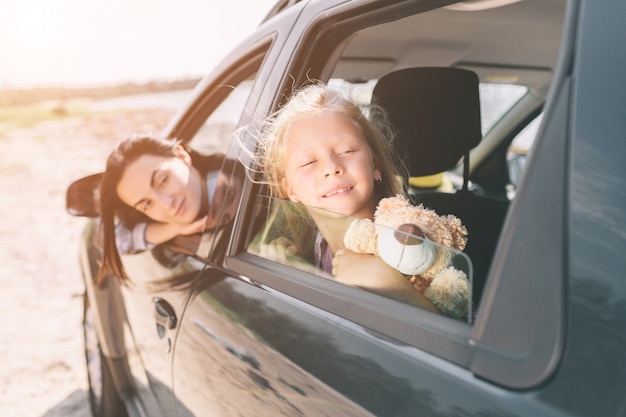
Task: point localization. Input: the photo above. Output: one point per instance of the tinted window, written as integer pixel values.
(286, 233)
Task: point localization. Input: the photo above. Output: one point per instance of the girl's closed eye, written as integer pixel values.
(346, 152)
(307, 163)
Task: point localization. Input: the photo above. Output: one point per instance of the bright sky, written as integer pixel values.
(95, 42)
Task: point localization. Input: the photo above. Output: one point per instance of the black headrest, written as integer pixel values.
(436, 113)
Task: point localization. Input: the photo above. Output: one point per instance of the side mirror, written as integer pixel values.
(82, 196)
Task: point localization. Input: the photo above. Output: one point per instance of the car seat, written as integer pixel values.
(435, 112)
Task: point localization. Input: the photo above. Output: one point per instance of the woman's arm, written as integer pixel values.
(144, 236)
(157, 233)
(373, 274)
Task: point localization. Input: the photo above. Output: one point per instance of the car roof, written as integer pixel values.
(516, 43)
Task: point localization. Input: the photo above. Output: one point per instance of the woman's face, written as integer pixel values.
(329, 165)
(166, 189)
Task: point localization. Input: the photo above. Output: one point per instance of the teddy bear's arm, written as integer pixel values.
(361, 237)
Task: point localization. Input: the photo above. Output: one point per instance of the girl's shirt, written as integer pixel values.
(323, 255)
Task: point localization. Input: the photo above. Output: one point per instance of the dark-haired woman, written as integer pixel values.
(152, 191)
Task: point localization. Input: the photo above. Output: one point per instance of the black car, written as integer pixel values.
(541, 189)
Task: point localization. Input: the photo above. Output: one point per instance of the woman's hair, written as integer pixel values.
(112, 207)
(316, 98)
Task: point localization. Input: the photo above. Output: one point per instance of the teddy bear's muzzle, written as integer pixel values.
(409, 234)
(406, 249)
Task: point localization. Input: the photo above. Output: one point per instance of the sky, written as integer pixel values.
(85, 43)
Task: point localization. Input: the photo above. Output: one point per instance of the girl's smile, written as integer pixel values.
(338, 191)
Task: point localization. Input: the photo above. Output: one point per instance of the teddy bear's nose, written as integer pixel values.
(406, 234)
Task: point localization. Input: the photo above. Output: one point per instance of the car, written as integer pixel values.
(539, 183)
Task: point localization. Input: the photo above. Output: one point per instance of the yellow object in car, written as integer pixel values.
(426, 181)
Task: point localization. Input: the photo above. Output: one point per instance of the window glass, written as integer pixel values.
(286, 233)
(496, 100)
(517, 153)
(360, 93)
(526, 138)
(216, 133)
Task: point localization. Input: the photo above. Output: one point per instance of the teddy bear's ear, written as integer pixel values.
(457, 230)
(391, 203)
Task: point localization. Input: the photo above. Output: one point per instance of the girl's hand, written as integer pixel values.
(373, 274)
(362, 270)
(278, 250)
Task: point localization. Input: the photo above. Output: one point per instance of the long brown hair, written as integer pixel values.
(112, 207)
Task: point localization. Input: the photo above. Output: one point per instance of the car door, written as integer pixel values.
(269, 339)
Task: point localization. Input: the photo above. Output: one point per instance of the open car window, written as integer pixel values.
(287, 234)
(216, 133)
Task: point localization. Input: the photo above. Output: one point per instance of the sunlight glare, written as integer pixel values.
(77, 42)
(29, 15)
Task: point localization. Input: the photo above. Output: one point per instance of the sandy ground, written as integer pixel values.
(42, 372)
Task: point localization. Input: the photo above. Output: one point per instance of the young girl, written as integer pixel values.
(152, 191)
(320, 150)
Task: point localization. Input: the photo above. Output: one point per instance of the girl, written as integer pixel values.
(320, 150)
(155, 190)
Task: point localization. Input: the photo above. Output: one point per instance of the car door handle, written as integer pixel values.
(164, 314)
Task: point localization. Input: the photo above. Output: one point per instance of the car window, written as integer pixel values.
(495, 100)
(518, 152)
(286, 233)
(217, 131)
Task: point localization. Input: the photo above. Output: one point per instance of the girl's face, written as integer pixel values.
(166, 189)
(329, 165)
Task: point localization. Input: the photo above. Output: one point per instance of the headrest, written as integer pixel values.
(435, 112)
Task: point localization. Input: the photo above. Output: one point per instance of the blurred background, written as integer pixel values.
(68, 43)
(75, 78)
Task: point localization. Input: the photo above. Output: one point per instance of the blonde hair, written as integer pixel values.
(316, 98)
(293, 220)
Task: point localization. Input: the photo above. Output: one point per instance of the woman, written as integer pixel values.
(152, 191)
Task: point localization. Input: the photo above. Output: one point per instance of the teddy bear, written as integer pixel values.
(415, 241)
